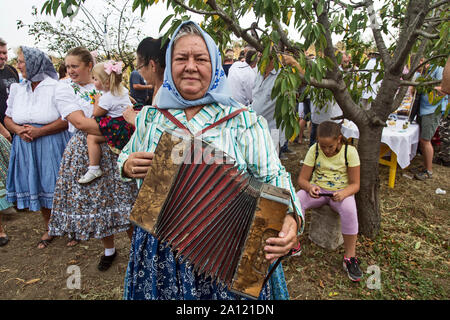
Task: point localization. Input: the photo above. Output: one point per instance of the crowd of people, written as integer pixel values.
(76, 146)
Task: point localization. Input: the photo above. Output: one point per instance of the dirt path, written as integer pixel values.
(29, 273)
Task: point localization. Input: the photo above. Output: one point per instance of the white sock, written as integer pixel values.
(93, 168)
(109, 251)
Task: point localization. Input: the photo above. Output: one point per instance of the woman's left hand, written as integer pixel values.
(33, 132)
(287, 240)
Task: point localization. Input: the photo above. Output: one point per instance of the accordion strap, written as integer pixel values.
(169, 116)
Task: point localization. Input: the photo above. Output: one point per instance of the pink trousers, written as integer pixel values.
(346, 209)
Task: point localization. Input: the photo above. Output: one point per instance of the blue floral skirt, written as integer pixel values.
(33, 169)
(154, 274)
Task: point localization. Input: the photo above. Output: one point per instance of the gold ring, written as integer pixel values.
(132, 170)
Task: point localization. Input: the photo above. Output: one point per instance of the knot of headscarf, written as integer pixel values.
(218, 90)
(38, 65)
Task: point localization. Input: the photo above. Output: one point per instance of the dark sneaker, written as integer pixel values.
(417, 169)
(423, 175)
(352, 267)
(106, 262)
(297, 251)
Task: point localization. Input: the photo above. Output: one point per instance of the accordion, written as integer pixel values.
(214, 216)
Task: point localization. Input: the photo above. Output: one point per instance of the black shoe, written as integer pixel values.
(106, 262)
(3, 241)
(352, 267)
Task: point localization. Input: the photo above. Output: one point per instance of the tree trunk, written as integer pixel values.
(367, 199)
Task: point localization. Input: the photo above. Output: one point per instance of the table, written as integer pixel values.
(400, 143)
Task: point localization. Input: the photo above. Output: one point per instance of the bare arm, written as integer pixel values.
(51, 128)
(4, 132)
(138, 86)
(353, 184)
(98, 111)
(88, 125)
(304, 181)
(17, 129)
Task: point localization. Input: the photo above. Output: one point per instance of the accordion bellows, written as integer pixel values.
(214, 216)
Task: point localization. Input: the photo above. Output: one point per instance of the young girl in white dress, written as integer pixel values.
(108, 111)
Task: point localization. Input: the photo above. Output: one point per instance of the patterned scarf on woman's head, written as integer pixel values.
(218, 90)
(38, 65)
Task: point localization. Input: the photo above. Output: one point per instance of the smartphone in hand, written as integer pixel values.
(325, 194)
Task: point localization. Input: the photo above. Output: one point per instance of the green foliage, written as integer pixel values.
(343, 20)
(88, 31)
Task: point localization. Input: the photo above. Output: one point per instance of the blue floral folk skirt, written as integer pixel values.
(154, 274)
(33, 169)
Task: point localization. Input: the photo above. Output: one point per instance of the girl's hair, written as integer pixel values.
(151, 49)
(62, 70)
(329, 129)
(83, 54)
(113, 81)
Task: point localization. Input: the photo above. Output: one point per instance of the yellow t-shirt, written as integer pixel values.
(331, 172)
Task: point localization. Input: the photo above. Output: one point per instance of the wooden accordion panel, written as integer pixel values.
(214, 217)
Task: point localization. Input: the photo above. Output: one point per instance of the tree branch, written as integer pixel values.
(283, 36)
(437, 5)
(234, 26)
(202, 12)
(415, 15)
(384, 52)
(426, 34)
(415, 83)
(413, 71)
(353, 4)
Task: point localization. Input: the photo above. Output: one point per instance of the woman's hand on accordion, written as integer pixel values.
(286, 240)
(137, 164)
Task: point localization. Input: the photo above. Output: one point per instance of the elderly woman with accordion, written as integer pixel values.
(195, 97)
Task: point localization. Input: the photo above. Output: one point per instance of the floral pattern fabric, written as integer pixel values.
(116, 131)
(94, 210)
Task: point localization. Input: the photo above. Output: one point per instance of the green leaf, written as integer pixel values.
(55, 6)
(167, 19)
(320, 8)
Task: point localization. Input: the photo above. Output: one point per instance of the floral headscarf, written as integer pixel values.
(38, 65)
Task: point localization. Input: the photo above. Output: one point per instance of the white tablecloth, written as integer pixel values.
(403, 142)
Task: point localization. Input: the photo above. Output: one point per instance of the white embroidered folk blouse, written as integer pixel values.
(26, 106)
(68, 101)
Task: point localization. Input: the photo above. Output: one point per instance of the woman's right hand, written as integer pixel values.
(137, 164)
(314, 191)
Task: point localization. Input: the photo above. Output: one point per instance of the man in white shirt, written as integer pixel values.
(373, 91)
(318, 115)
(264, 105)
(241, 78)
